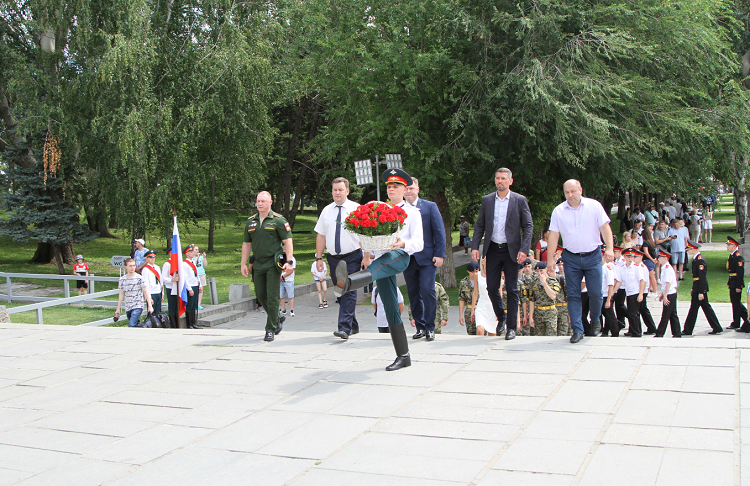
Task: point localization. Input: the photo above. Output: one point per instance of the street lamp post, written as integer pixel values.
(363, 169)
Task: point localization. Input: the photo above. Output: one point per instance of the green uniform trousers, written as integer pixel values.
(267, 282)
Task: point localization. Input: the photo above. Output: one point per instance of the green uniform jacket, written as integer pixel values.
(266, 237)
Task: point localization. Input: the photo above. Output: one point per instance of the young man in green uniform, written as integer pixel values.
(443, 308)
(543, 293)
(265, 233)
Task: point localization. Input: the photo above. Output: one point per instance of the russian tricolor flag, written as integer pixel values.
(175, 263)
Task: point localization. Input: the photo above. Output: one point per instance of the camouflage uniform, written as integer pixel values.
(523, 298)
(545, 312)
(443, 307)
(465, 290)
(563, 326)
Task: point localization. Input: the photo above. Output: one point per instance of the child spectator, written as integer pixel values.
(81, 269)
(320, 283)
(286, 289)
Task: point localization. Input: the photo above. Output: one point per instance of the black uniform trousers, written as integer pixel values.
(645, 313)
(347, 302)
(620, 309)
(739, 311)
(669, 314)
(708, 311)
(610, 324)
(634, 322)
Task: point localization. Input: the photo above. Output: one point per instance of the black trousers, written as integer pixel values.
(645, 313)
(620, 309)
(708, 311)
(609, 324)
(739, 311)
(669, 314)
(585, 314)
(634, 327)
(500, 260)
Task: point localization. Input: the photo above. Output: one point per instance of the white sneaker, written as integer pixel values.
(282, 312)
(291, 313)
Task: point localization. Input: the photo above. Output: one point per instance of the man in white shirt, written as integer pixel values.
(341, 246)
(390, 263)
(635, 283)
(580, 221)
(668, 297)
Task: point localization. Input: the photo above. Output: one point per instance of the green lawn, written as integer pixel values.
(718, 275)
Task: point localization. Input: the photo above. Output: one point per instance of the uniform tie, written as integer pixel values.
(337, 240)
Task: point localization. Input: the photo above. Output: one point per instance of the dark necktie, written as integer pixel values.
(337, 240)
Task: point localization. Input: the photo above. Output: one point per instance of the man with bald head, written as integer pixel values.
(581, 220)
(265, 233)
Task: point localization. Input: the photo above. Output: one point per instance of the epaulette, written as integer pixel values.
(277, 214)
(253, 216)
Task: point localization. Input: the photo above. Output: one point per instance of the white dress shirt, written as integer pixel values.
(644, 274)
(411, 234)
(191, 276)
(501, 215)
(608, 278)
(166, 278)
(616, 268)
(631, 279)
(668, 277)
(154, 285)
(579, 227)
(326, 226)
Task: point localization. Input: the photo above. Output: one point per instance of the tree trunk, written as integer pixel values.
(286, 179)
(101, 225)
(740, 195)
(43, 254)
(58, 257)
(212, 214)
(447, 271)
(298, 196)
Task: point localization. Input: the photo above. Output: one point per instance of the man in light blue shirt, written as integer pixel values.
(679, 235)
(140, 254)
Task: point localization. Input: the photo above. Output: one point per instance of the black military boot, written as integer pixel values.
(174, 321)
(401, 345)
(355, 281)
(191, 319)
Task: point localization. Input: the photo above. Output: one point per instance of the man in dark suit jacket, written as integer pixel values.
(420, 274)
(504, 215)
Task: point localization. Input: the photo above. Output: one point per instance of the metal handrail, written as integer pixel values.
(8, 296)
(69, 300)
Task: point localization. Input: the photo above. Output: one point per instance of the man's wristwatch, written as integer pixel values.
(318, 258)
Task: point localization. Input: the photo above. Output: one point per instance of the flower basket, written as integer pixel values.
(375, 243)
(377, 224)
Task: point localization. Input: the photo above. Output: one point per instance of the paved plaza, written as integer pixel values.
(83, 405)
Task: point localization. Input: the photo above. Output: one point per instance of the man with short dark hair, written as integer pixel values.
(699, 293)
(505, 222)
(341, 245)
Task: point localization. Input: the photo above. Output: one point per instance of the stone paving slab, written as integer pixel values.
(220, 406)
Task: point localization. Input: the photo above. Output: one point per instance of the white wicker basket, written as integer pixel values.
(375, 243)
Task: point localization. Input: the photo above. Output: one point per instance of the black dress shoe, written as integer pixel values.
(401, 362)
(430, 336)
(715, 332)
(419, 335)
(733, 326)
(511, 334)
(658, 335)
(341, 334)
(648, 333)
(576, 337)
(621, 324)
(269, 336)
(355, 331)
(500, 329)
(677, 336)
(280, 325)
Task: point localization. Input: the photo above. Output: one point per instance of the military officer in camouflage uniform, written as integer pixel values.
(543, 293)
(465, 290)
(563, 326)
(443, 307)
(265, 233)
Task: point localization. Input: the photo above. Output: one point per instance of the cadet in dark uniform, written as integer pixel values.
(699, 294)
(736, 267)
(265, 233)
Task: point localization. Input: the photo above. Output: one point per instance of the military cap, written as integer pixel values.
(733, 241)
(665, 254)
(617, 248)
(150, 253)
(560, 260)
(638, 253)
(187, 249)
(628, 251)
(472, 266)
(692, 244)
(397, 176)
(528, 261)
(540, 265)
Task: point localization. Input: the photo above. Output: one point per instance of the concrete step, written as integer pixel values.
(210, 310)
(221, 318)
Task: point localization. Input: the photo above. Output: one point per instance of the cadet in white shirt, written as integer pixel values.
(609, 287)
(635, 283)
(152, 274)
(643, 311)
(668, 297)
(390, 263)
